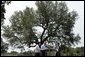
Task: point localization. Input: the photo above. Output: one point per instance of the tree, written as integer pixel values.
(55, 19)
(57, 22)
(3, 45)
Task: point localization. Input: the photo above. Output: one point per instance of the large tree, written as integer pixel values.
(55, 19)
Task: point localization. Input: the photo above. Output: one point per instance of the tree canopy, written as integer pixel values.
(55, 19)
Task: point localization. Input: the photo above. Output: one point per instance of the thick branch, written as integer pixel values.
(45, 39)
(42, 35)
(50, 34)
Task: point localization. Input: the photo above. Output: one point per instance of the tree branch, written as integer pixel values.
(42, 35)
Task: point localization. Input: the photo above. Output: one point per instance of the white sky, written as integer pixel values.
(72, 5)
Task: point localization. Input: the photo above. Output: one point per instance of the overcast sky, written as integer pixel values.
(72, 5)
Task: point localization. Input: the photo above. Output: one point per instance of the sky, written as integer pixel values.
(72, 5)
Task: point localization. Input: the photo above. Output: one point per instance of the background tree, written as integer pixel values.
(3, 11)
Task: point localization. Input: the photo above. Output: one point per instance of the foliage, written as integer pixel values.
(4, 47)
(78, 51)
(3, 10)
(55, 19)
